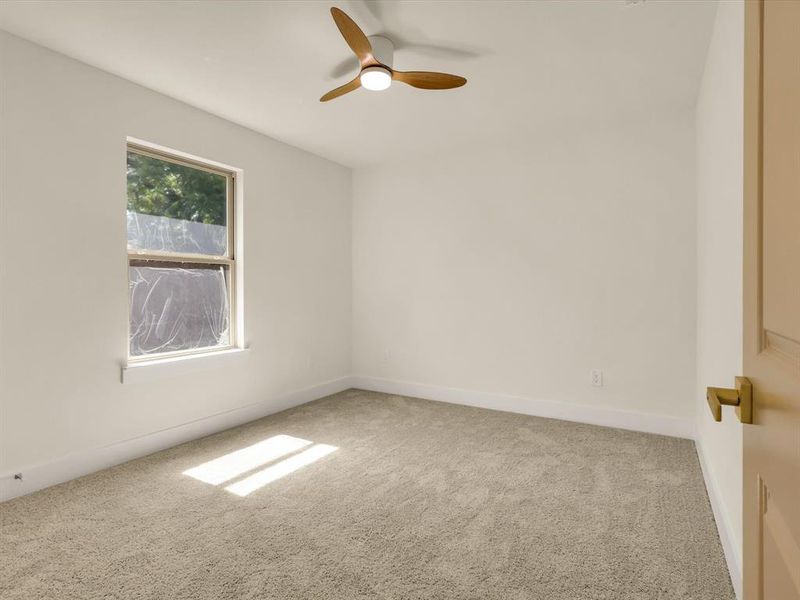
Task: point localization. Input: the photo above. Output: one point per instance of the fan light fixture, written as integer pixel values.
(376, 78)
(375, 58)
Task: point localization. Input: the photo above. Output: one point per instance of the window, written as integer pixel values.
(180, 255)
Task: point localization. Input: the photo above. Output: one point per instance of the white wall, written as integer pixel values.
(517, 269)
(719, 123)
(506, 270)
(64, 274)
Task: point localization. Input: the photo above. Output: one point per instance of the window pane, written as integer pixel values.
(177, 308)
(175, 208)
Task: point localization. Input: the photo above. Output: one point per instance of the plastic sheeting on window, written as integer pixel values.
(177, 309)
(165, 234)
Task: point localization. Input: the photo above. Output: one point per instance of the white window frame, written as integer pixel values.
(232, 257)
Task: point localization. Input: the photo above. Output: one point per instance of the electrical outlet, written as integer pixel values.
(597, 377)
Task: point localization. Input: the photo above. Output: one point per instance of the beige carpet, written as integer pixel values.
(418, 500)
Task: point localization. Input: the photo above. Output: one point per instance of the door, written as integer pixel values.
(772, 299)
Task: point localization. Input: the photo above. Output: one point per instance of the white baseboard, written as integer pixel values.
(729, 546)
(77, 464)
(581, 413)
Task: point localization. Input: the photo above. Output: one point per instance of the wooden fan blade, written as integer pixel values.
(354, 37)
(428, 80)
(342, 89)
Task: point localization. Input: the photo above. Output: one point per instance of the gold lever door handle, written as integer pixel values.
(741, 397)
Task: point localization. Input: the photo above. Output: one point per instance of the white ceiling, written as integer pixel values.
(265, 64)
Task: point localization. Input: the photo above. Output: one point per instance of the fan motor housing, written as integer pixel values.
(382, 49)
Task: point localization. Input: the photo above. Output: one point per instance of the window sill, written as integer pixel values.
(163, 368)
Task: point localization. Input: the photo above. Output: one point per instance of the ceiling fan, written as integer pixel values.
(375, 56)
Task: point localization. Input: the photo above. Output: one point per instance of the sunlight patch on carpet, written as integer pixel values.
(281, 469)
(231, 465)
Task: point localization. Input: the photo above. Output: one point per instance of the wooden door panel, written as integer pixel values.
(772, 300)
(780, 554)
(781, 174)
(778, 584)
